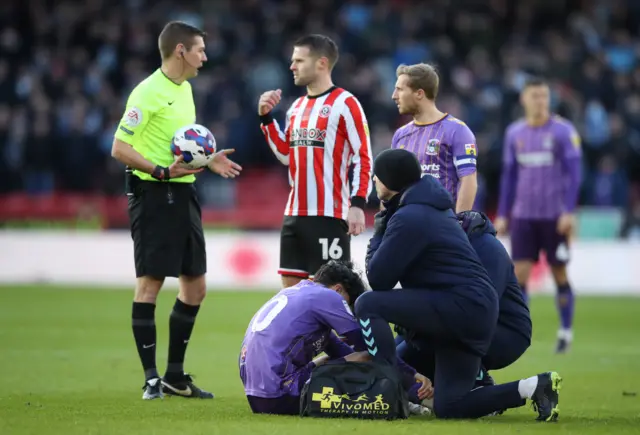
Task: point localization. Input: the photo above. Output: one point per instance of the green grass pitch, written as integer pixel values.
(68, 365)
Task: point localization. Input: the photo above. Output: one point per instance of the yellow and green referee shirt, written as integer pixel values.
(156, 109)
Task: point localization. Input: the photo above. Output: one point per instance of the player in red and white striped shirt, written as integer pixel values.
(325, 133)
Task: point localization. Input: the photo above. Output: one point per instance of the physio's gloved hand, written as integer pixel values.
(380, 222)
(383, 216)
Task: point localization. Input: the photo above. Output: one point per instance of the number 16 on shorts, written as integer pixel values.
(330, 251)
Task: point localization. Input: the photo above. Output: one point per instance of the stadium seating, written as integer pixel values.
(71, 86)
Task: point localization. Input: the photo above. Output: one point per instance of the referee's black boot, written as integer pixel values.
(184, 388)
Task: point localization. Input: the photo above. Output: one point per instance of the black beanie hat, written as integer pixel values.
(397, 169)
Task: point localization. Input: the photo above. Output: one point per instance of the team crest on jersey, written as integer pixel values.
(133, 118)
(325, 111)
(470, 149)
(433, 147)
(547, 143)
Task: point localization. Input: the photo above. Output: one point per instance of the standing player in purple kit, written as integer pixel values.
(296, 325)
(538, 195)
(444, 145)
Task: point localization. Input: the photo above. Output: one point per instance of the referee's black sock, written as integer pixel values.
(181, 322)
(144, 332)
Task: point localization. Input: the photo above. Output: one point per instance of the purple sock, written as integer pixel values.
(565, 304)
(525, 295)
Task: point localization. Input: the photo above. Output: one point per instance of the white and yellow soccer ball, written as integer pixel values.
(196, 144)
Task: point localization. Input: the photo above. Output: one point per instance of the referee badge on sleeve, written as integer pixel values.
(133, 118)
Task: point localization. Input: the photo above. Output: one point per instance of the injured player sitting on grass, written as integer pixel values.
(295, 326)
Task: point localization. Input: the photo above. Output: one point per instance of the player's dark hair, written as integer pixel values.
(344, 273)
(421, 76)
(321, 46)
(177, 32)
(535, 81)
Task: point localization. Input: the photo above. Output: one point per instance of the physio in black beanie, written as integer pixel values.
(394, 170)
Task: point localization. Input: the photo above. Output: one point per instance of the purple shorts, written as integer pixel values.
(530, 236)
(283, 405)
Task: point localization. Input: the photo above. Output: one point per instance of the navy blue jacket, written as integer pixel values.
(513, 312)
(423, 247)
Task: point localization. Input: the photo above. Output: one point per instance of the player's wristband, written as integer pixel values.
(161, 173)
(358, 201)
(266, 119)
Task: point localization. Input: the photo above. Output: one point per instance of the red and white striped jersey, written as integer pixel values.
(323, 136)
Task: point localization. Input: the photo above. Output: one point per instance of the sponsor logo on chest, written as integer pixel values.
(311, 137)
(538, 154)
(432, 169)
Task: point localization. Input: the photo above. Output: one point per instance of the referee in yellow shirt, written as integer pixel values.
(165, 216)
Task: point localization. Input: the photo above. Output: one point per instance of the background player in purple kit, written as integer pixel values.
(538, 195)
(293, 327)
(444, 145)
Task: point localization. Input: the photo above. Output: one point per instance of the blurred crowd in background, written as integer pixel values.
(66, 68)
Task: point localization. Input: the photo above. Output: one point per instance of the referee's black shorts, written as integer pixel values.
(166, 228)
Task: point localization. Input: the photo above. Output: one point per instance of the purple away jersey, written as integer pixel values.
(446, 149)
(541, 170)
(286, 334)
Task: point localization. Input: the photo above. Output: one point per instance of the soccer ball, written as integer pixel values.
(196, 144)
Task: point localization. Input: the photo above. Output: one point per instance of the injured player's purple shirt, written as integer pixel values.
(541, 170)
(287, 333)
(446, 149)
